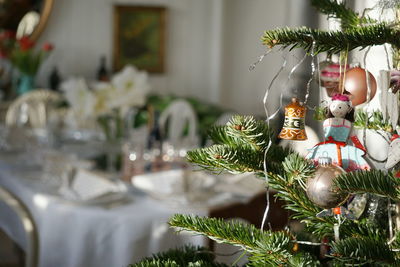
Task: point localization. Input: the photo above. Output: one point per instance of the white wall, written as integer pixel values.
(210, 45)
(81, 31)
(245, 21)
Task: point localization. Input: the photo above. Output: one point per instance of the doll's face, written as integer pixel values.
(339, 109)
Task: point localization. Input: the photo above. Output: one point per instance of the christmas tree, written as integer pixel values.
(325, 190)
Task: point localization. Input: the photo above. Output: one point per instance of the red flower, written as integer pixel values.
(3, 54)
(25, 43)
(7, 35)
(47, 47)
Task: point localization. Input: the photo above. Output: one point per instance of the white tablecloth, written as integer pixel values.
(74, 236)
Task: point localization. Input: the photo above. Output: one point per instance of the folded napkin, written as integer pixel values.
(173, 182)
(184, 188)
(87, 185)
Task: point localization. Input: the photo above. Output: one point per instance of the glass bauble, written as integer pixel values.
(356, 86)
(320, 188)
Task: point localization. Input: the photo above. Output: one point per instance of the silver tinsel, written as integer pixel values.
(387, 4)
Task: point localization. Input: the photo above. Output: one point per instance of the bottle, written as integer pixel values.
(54, 79)
(154, 141)
(154, 144)
(102, 73)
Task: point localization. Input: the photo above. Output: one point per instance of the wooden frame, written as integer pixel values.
(139, 37)
(44, 17)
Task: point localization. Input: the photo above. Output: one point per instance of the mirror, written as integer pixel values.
(25, 17)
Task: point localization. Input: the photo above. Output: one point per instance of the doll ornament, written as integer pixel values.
(337, 129)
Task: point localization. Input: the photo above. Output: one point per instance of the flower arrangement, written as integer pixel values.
(21, 52)
(23, 57)
(26, 59)
(105, 102)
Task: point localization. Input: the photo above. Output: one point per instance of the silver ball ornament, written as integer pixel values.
(320, 188)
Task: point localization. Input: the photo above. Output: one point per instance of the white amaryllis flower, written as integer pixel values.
(130, 88)
(81, 100)
(103, 92)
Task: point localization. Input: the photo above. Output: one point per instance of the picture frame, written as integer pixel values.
(139, 37)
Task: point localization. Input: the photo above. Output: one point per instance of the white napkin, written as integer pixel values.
(87, 185)
(172, 182)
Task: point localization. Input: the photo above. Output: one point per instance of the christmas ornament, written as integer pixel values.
(357, 204)
(394, 81)
(393, 152)
(330, 77)
(355, 84)
(342, 211)
(320, 188)
(337, 129)
(293, 127)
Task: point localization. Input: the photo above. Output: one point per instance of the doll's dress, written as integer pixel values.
(350, 158)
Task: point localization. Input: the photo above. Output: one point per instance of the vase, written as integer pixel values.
(25, 83)
(116, 130)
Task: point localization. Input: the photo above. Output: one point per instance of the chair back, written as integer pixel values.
(224, 118)
(28, 223)
(175, 118)
(32, 108)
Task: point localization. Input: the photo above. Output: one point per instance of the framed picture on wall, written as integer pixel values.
(139, 37)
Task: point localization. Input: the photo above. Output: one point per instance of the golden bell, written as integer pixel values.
(293, 127)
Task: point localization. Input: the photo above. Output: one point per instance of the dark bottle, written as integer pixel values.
(54, 79)
(154, 144)
(154, 140)
(102, 73)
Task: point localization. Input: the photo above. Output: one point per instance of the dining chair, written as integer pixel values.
(28, 223)
(32, 108)
(174, 120)
(224, 118)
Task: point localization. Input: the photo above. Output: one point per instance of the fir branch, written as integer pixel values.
(172, 263)
(219, 135)
(361, 228)
(226, 158)
(241, 147)
(302, 207)
(297, 260)
(297, 168)
(156, 263)
(250, 131)
(360, 251)
(274, 246)
(334, 9)
(186, 256)
(332, 41)
(288, 189)
(396, 242)
(303, 260)
(373, 181)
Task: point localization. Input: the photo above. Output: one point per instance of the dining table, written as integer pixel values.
(72, 234)
(112, 232)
